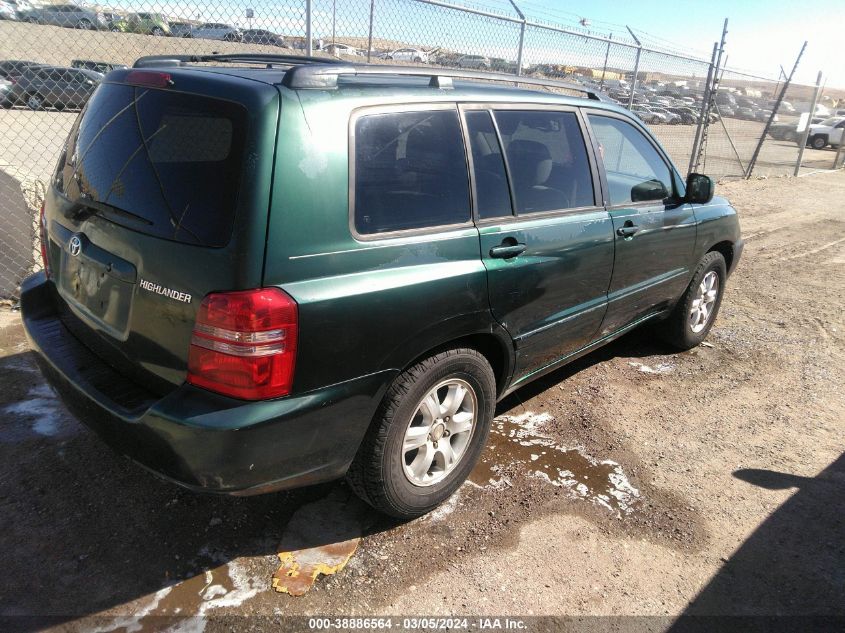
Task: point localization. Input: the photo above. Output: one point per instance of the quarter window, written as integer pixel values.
(547, 159)
(492, 196)
(410, 171)
(635, 171)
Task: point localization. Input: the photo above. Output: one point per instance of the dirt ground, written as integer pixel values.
(636, 482)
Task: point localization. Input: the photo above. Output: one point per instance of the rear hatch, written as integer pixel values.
(161, 196)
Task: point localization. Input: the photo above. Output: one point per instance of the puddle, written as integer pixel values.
(320, 539)
(182, 608)
(39, 414)
(519, 440)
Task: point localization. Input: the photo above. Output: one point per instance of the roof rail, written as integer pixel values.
(307, 76)
(246, 58)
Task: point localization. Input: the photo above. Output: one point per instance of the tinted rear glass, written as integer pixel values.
(172, 160)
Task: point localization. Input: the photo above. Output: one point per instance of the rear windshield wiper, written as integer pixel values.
(84, 208)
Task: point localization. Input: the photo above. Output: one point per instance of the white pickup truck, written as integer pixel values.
(828, 132)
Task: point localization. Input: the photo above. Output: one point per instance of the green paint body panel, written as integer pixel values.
(368, 306)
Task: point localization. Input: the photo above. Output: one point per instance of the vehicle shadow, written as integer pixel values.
(792, 565)
(641, 343)
(86, 530)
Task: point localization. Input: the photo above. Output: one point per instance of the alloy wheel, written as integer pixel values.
(439, 432)
(701, 310)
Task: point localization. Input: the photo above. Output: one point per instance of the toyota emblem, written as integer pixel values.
(75, 245)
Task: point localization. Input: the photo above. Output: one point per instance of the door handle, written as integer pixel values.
(507, 250)
(629, 230)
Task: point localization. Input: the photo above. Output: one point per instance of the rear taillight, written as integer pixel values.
(244, 344)
(42, 235)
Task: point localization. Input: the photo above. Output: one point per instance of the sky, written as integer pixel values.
(762, 34)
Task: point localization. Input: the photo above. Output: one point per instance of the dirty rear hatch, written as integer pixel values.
(160, 197)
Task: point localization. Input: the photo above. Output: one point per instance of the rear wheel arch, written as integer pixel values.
(494, 345)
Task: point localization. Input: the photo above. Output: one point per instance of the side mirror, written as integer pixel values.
(700, 188)
(649, 190)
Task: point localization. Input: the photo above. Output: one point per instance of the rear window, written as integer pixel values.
(410, 171)
(171, 161)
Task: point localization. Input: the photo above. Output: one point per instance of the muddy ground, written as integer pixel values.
(636, 482)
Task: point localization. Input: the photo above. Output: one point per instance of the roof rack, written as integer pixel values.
(246, 58)
(319, 72)
(307, 76)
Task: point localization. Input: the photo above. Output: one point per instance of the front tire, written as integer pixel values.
(695, 313)
(426, 435)
(818, 142)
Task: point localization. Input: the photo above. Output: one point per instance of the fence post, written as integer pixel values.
(334, 19)
(806, 133)
(521, 37)
(604, 68)
(636, 68)
(309, 49)
(370, 37)
(705, 111)
(775, 108)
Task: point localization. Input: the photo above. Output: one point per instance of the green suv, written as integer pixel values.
(264, 277)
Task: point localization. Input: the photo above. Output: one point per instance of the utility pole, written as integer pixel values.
(806, 132)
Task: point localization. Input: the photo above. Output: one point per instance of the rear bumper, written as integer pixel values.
(196, 438)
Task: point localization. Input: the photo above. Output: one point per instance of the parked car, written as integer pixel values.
(789, 131)
(6, 98)
(217, 31)
(66, 15)
(828, 132)
(262, 36)
(115, 22)
(688, 116)
(338, 49)
(54, 87)
(234, 348)
(647, 115)
(8, 11)
(668, 116)
(100, 67)
(181, 29)
(478, 62)
(408, 55)
(20, 7)
(11, 68)
(148, 24)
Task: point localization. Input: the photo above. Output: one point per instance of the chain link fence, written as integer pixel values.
(52, 57)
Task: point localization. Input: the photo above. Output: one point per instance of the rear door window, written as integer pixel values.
(410, 172)
(171, 162)
(492, 194)
(547, 160)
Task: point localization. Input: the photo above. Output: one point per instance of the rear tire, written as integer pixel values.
(158, 32)
(426, 437)
(34, 102)
(818, 142)
(695, 313)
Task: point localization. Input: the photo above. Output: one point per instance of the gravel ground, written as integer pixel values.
(635, 482)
